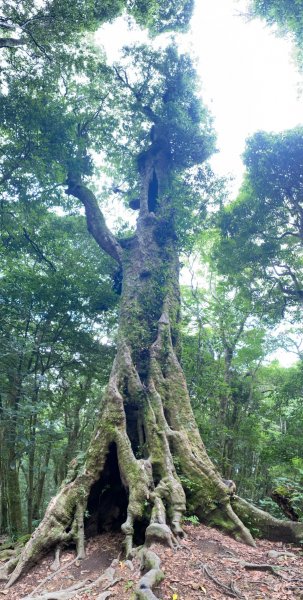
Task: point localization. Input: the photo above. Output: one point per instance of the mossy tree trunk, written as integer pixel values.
(146, 461)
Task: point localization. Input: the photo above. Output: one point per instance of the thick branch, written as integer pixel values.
(95, 220)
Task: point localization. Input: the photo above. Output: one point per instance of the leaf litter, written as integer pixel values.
(207, 565)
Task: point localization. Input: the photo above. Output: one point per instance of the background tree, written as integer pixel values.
(221, 355)
(45, 31)
(49, 319)
(255, 440)
(262, 229)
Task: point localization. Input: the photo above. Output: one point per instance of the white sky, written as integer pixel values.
(249, 80)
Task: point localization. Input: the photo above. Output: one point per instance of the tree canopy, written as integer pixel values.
(262, 228)
(286, 15)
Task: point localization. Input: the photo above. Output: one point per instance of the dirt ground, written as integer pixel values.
(207, 566)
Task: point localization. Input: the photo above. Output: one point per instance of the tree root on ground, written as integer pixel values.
(54, 574)
(263, 567)
(7, 568)
(151, 563)
(107, 578)
(56, 564)
(229, 590)
(173, 474)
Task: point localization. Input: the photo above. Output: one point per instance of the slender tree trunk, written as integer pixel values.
(228, 406)
(73, 425)
(40, 483)
(3, 491)
(31, 471)
(12, 471)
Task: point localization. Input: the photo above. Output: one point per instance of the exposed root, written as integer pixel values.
(232, 523)
(271, 568)
(61, 594)
(55, 566)
(268, 527)
(80, 532)
(158, 530)
(55, 528)
(229, 590)
(151, 563)
(107, 578)
(171, 472)
(49, 577)
(7, 568)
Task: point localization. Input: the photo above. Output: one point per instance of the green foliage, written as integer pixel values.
(162, 89)
(129, 585)
(52, 366)
(192, 519)
(44, 27)
(248, 414)
(45, 31)
(262, 230)
(163, 16)
(223, 345)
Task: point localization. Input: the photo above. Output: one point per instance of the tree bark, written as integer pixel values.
(12, 472)
(40, 483)
(31, 471)
(284, 502)
(3, 466)
(146, 461)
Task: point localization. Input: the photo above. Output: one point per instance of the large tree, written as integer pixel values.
(146, 460)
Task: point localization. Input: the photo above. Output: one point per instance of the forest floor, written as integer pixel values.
(207, 566)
